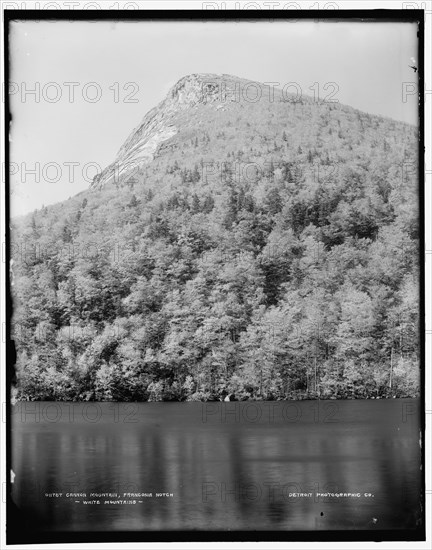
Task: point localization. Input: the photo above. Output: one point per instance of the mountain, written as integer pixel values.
(245, 241)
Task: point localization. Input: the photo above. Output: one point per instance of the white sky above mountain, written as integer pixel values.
(70, 135)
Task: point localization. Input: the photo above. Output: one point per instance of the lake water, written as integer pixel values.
(218, 466)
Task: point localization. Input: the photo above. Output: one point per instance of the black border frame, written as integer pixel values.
(20, 529)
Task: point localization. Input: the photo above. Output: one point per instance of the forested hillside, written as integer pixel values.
(267, 249)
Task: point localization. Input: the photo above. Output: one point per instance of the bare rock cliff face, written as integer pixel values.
(160, 123)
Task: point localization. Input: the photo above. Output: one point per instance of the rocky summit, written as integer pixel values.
(210, 93)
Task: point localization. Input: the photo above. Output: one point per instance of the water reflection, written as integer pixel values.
(230, 474)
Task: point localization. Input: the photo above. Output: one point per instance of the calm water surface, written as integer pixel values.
(224, 466)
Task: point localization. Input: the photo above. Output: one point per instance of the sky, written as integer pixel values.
(93, 82)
